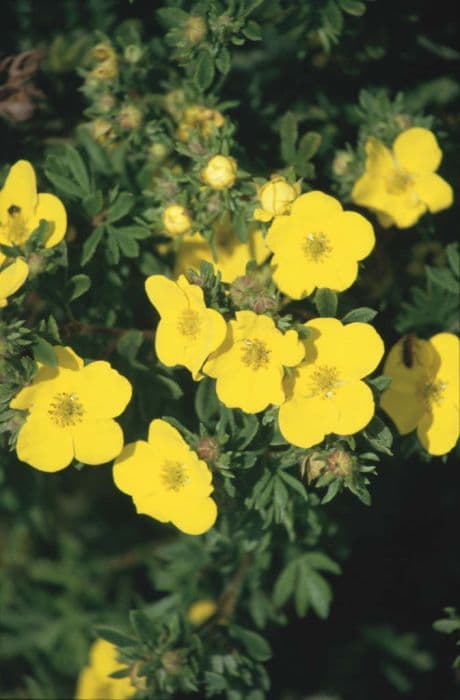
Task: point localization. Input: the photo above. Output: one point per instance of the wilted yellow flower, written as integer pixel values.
(129, 117)
(400, 185)
(249, 365)
(276, 197)
(188, 331)
(325, 394)
(107, 67)
(11, 279)
(318, 245)
(70, 413)
(166, 480)
(232, 254)
(195, 29)
(424, 390)
(176, 220)
(220, 172)
(95, 683)
(201, 610)
(101, 130)
(21, 208)
(205, 119)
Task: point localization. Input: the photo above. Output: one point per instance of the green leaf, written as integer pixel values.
(285, 584)
(129, 343)
(308, 145)
(224, 61)
(119, 639)
(294, 483)
(252, 31)
(122, 205)
(256, 646)
(319, 592)
(326, 302)
(206, 402)
(171, 16)
(91, 243)
(64, 184)
(442, 278)
(379, 436)
(204, 71)
(301, 597)
(361, 315)
(318, 560)
(453, 258)
(78, 169)
(353, 7)
(288, 134)
(128, 244)
(380, 383)
(44, 352)
(332, 491)
(77, 286)
(134, 231)
(447, 626)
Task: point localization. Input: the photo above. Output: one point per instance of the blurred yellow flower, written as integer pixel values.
(102, 130)
(325, 394)
(176, 220)
(21, 208)
(11, 279)
(249, 365)
(232, 254)
(188, 331)
(318, 245)
(167, 480)
(276, 197)
(198, 117)
(107, 67)
(424, 390)
(70, 413)
(200, 611)
(400, 185)
(220, 172)
(94, 682)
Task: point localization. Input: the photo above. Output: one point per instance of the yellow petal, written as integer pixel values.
(251, 390)
(103, 391)
(315, 205)
(195, 517)
(161, 432)
(97, 441)
(12, 278)
(355, 407)
(152, 504)
(360, 351)
(289, 348)
(262, 215)
(296, 278)
(306, 422)
(439, 428)
(435, 192)
(447, 348)
(133, 467)
(405, 209)
(337, 273)
(352, 234)
(165, 295)
(417, 151)
(52, 210)
(369, 189)
(404, 409)
(67, 358)
(19, 190)
(43, 445)
(258, 246)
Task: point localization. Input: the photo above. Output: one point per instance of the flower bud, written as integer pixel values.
(176, 220)
(200, 611)
(341, 163)
(36, 263)
(220, 172)
(195, 29)
(133, 53)
(105, 70)
(340, 462)
(101, 130)
(172, 662)
(275, 197)
(105, 102)
(158, 151)
(208, 449)
(103, 52)
(312, 465)
(129, 117)
(174, 102)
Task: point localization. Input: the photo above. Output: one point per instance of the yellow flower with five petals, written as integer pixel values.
(22, 209)
(95, 683)
(401, 184)
(318, 245)
(167, 480)
(249, 365)
(12, 278)
(326, 394)
(424, 390)
(188, 331)
(70, 413)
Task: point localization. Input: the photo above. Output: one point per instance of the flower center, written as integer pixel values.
(255, 354)
(433, 392)
(189, 323)
(66, 410)
(16, 228)
(174, 475)
(398, 182)
(316, 247)
(324, 380)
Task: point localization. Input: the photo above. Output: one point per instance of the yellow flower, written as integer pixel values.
(205, 119)
(95, 683)
(108, 62)
(188, 331)
(402, 184)
(424, 391)
(21, 208)
(249, 365)
(176, 220)
(276, 197)
(101, 130)
(200, 611)
(11, 279)
(71, 409)
(220, 172)
(167, 480)
(232, 254)
(325, 394)
(318, 245)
